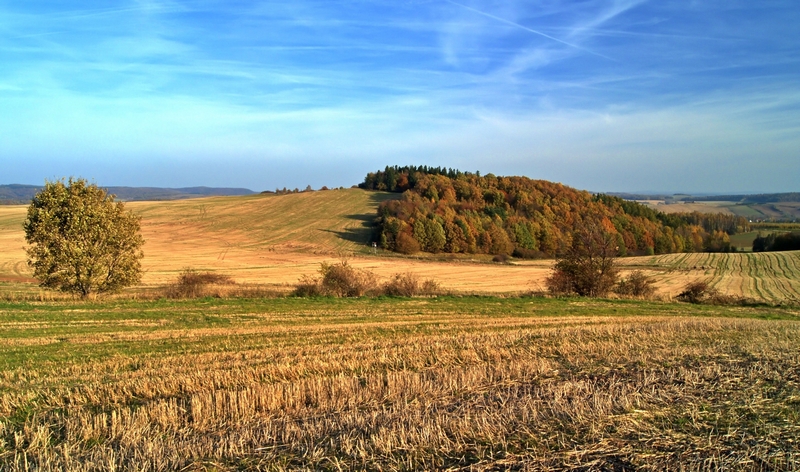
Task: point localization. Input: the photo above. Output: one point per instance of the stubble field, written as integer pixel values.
(398, 384)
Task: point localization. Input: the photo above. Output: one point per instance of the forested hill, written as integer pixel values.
(22, 194)
(446, 210)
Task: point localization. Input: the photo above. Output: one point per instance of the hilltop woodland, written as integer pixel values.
(446, 210)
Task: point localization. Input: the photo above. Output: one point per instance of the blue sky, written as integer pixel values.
(690, 96)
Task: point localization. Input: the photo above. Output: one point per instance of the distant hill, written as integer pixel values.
(760, 198)
(640, 196)
(16, 194)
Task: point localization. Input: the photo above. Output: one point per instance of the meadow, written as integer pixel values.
(449, 383)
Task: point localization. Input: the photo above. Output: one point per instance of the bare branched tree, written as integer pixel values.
(587, 267)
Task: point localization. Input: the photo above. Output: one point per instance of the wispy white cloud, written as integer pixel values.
(606, 12)
(360, 82)
(525, 28)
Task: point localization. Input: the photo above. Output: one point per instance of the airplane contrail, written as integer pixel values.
(530, 30)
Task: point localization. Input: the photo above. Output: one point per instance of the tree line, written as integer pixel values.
(447, 210)
(777, 242)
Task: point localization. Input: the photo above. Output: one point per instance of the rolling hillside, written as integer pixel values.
(276, 239)
(271, 240)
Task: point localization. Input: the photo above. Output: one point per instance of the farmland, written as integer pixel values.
(397, 384)
(271, 241)
(785, 211)
(773, 277)
(139, 382)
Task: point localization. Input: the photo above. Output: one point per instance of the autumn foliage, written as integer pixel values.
(445, 210)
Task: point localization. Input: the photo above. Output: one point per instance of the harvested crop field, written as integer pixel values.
(773, 277)
(272, 241)
(398, 384)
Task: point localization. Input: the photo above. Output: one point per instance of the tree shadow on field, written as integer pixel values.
(364, 233)
(361, 234)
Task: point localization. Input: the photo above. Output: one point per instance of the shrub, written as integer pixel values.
(559, 283)
(337, 280)
(430, 287)
(344, 280)
(409, 285)
(500, 258)
(406, 244)
(308, 286)
(402, 285)
(193, 284)
(636, 285)
(697, 292)
(522, 253)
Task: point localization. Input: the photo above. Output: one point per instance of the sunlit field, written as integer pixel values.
(772, 277)
(272, 241)
(398, 384)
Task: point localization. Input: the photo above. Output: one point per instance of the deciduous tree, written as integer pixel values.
(587, 267)
(81, 240)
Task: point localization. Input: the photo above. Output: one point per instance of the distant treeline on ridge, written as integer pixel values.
(16, 194)
(447, 210)
(777, 242)
(757, 199)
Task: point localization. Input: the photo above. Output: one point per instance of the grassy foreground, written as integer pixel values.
(398, 384)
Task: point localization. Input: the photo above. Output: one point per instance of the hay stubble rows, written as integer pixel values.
(398, 385)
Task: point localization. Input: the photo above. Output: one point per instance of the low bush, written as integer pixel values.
(194, 284)
(522, 253)
(697, 292)
(344, 280)
(636, 285)
(559, 284)
(338, 280)
(308, 286)
(409, 285)
(430, 287)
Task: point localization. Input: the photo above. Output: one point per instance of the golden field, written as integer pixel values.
(272, 240)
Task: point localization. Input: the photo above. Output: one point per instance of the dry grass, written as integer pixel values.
(418, 384)
(268, 242)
